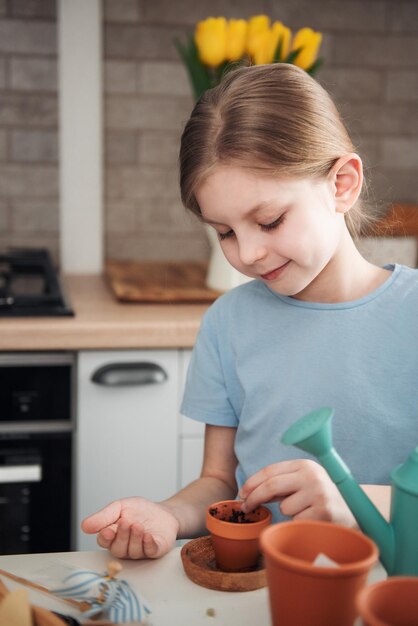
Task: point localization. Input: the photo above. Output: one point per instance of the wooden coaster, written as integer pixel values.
(199, 564)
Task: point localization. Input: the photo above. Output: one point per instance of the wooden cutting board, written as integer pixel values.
(172, 282)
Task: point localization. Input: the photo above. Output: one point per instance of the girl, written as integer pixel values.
(266, 161)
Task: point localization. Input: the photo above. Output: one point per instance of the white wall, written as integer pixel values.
(81, 132)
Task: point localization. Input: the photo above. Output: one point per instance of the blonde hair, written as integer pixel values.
(272, 118)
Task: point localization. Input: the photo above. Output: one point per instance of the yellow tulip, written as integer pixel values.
(257, 25)
(309, 41)
(282, 33)
(210, 39)
(262, 48)
(236, 39)
(266, 42)
(266, 47)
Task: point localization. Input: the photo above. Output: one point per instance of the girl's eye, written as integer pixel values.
(274, 224)
(226, 235)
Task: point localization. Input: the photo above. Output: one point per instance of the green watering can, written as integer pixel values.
(397, 540)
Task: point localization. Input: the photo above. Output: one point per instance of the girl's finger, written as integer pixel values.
(119, 547)
(103, 518)
(296, 503)
(276, 469)
(308, 513)
(106, 536)
(150, 546)
(135, 549)
(272, 489)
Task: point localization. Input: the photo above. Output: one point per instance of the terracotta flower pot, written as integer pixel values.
(235, 535)
(391, 602)
(303, 593)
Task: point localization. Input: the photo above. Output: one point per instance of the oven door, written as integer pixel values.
(35, 492)
(35, 387)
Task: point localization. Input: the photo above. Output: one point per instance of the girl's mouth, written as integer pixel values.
(275, 273)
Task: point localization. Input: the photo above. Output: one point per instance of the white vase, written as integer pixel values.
(221, 275)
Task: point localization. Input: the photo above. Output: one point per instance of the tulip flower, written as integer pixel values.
(262, 47)
(282, 34)
(257, 27)
(217, 41)
(236, 39)
(308, 41)
(266, 42)
(210, 39)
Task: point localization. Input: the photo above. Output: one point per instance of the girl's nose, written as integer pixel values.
(251, 250)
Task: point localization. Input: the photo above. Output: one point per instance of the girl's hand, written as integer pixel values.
(303, 490)
(134, 528)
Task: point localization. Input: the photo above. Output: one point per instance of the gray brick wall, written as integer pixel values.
(28, 124)
(371, 68)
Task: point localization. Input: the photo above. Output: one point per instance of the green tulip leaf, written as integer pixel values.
(315, 66)
(291, 57)
(199, 75)
(278, 52)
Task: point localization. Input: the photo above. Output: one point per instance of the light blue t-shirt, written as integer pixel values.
(262, 360)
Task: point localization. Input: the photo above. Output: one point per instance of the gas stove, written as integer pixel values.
(30, 285)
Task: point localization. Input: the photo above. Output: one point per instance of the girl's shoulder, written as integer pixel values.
(400, 293)
(404, 277)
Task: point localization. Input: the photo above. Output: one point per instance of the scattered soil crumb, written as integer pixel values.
(210, 612)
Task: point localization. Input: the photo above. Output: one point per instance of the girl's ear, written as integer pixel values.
(346, 177)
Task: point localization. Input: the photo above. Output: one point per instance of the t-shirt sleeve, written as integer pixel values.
(206, 397)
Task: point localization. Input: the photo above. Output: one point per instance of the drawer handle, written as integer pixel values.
(128, 374)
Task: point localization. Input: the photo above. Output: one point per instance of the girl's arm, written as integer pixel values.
(216, 482)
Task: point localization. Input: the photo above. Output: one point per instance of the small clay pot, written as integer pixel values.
(303, 593)
(235, 535)
(391, 602)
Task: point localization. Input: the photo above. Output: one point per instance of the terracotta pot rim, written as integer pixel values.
(232, 530)
(365, 593)
(292, 563)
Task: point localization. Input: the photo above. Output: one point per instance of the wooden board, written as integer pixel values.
(171, 282)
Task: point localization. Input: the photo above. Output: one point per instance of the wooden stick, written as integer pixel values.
(81, 605)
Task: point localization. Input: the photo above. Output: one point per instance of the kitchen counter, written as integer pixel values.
(103, 323)
(173, 598)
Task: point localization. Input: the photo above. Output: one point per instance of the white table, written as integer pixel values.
(173, 598)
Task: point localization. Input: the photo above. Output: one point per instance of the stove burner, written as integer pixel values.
(29, 285)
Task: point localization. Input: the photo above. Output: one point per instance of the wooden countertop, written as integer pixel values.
(103, 323)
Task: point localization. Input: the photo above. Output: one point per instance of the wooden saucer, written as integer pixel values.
(199, 564)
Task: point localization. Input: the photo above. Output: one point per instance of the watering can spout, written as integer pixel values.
(312, 433)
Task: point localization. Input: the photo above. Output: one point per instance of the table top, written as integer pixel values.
(173, 598)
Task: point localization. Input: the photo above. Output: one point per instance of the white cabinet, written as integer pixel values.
(191, 439)
(127, 428)
(131, 438)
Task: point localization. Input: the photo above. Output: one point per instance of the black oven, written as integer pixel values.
(36, 451)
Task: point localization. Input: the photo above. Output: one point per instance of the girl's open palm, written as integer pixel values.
(134, 528)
